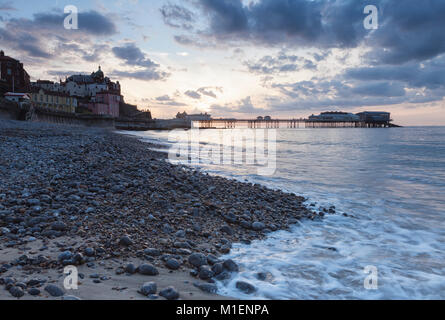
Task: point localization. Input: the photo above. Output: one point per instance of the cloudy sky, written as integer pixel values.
(243, 58)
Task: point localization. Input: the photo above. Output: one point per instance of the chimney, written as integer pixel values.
(2, 53)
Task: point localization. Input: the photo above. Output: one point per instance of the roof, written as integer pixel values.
(16, 94)
(50, 93)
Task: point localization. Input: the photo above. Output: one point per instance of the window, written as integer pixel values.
(9, 72)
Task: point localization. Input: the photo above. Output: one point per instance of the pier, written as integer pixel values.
(287, 123)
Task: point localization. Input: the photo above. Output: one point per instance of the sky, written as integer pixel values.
(244, 58)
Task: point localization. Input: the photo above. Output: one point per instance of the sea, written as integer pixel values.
(386, 239)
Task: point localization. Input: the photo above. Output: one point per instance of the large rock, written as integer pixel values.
(245, 287)
(148, 270)
(230, 265)
(169, 293)
(205, 273)
(197, 260)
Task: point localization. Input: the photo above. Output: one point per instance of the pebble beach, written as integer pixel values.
(135, 226)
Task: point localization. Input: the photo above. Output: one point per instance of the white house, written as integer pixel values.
(20, 98)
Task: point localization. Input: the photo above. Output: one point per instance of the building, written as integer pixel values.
(95, 93)
(21, 99)
(375, 117)
(194, 117)
(335, 116)
(53, 101)
(13, 77)
(105, 103)
(82, 86)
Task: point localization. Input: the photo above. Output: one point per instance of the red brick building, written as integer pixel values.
(13, 77)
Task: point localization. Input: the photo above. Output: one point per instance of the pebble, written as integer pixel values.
(16, 292)
(169, 293)
(197, 259)
(230, 265)
(34, 292)
(125, 241)
(173, 264)
(258, 226)
(205, 273)
(207, 287)
(131, 268)
(54, 290)
(148, 288)
(245, 287)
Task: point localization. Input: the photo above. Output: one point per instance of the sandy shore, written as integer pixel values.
(118, 211)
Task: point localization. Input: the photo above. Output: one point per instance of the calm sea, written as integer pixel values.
(390, 183)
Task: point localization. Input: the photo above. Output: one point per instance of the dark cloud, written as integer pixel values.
(166, 100)
(282, 63)
(134, 57)
(407, 32)
(411, 31)
(380, 89)
(208, 92)
(44, 33)
(193, 94)
(226, 16)
(91, 22)
(177, 16)
(204, 91)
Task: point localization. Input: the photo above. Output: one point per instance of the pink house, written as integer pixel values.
(105, 103)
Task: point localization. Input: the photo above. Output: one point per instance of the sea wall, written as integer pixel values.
(10, 111)
(74, 119)
(143, 125)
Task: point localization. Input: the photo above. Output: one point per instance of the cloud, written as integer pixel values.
(166, 100)
(282, 63)
(134, 57)
(408, 32)
(91, 22)
(177, 16)
(245, 106)
(193, 94)
(41, 36)
(7, 6)
(204, 91)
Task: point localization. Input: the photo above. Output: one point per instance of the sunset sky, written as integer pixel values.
(233, 58)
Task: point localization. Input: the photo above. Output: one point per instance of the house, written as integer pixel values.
(13, 77)
(20, 98)
(54, 101)
(105, 103)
